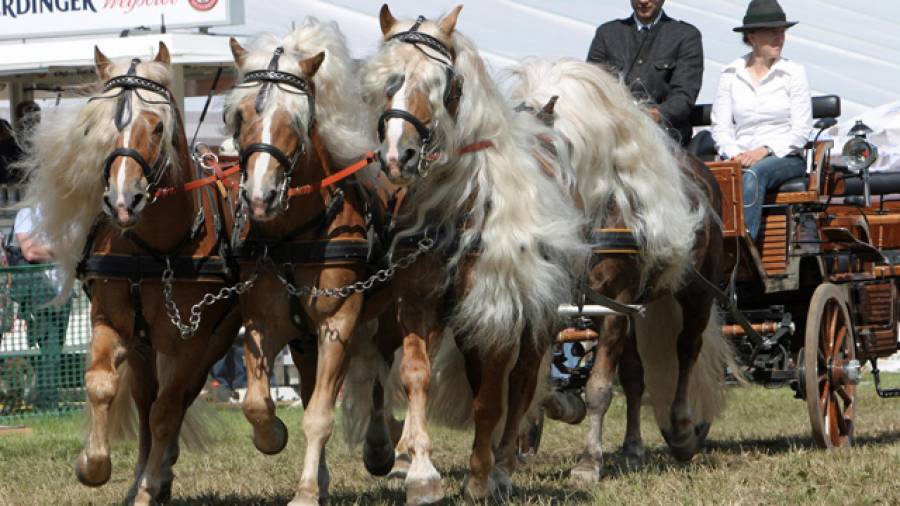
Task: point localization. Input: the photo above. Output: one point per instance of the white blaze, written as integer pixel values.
(262, 159)
(395, 125)
(121, 180)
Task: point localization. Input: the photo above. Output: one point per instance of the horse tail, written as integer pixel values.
(365, 367)
(198, 417)
(657, 338)
(123, 416)
(449, 393)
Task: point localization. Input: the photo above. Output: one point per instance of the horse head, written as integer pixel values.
(419, 91)
(272, 117)
(147, 135)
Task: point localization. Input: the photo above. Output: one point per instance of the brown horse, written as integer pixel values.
(488, 201)
(147, 258)
(656, 226)
(295, 119)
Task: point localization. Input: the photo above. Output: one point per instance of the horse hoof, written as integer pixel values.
(683, 446)
(401, 467)
(420, 492)
(304, 499)
(277, 442)
(585, 473)
(379, 460)
(635, 455)
(475, 492)
(92, 472)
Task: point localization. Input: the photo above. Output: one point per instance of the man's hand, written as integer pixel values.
(655, 114)
(749, 158)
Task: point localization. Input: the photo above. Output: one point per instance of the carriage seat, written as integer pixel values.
(703, 146)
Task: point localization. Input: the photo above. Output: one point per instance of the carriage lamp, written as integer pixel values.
(859, 154)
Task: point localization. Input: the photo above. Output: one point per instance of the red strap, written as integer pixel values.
(220, 175)
(334, 178)
(471, 148)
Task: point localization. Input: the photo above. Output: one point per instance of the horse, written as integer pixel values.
(487, 204)
(145, 249)
(295, 117)
(635, 183)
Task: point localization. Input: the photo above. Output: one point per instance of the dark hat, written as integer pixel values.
(764, 14)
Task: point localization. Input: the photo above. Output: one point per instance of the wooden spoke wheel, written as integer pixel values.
(829, 371)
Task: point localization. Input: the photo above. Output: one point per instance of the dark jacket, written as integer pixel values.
(668, 71)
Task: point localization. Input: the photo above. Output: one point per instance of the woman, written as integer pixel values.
(762, 113)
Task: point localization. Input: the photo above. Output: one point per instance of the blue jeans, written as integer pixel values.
(766, 175)
(230, 370)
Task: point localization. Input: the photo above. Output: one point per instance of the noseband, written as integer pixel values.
(128, 85)
(426, 135)
(266, 79)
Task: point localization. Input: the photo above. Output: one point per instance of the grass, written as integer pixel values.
(760, 452)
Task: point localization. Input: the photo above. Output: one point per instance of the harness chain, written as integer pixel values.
(422, 246)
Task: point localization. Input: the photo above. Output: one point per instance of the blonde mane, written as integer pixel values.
(339, 110)
(65, 166)
(523, 222)
(620, 155)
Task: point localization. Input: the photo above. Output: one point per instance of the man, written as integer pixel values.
(659, 58)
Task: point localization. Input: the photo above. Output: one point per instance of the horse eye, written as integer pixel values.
(394, 83)
(159, 129)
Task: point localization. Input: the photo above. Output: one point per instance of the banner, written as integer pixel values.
(26, 19)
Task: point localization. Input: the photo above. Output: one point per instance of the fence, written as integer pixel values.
(42, 347)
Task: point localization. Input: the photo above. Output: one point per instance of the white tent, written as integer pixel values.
(852, 50)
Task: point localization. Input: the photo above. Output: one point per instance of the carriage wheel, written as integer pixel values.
(829, 371)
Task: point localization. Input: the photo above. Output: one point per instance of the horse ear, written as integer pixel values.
(101, 64)
(550, 105)
(238, 51)
(448, 23)
(546, 113)
(311, 65)
(386, 19)
(163, 55)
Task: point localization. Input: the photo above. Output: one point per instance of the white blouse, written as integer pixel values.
(774, 112)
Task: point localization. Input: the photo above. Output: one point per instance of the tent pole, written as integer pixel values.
(178, 86)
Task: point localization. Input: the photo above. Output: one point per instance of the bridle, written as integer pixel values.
(128, 85)
(451, 96)
(300, 86)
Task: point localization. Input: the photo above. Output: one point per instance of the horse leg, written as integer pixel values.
(631, 376)
(144, 393)
(166, 417)
(484, 369)
(684, 439)
(423, 482)
(93, 466)
(269, 432)
(523, 380)
(598, 394)
(318, 420)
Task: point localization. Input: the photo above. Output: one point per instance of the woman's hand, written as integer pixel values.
(749, 158)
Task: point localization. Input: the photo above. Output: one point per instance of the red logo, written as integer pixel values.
(203, 5)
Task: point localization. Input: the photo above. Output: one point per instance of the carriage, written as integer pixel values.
(814, 298)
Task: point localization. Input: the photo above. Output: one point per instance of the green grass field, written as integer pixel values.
(760, 452)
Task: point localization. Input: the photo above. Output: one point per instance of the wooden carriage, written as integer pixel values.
(821, 276)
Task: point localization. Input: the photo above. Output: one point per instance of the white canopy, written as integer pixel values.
(849, 49)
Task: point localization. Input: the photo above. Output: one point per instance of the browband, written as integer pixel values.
(277, 76)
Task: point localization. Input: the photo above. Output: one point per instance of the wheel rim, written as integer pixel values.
(828, 349)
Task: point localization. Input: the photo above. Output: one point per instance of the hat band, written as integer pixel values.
(767, 17)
